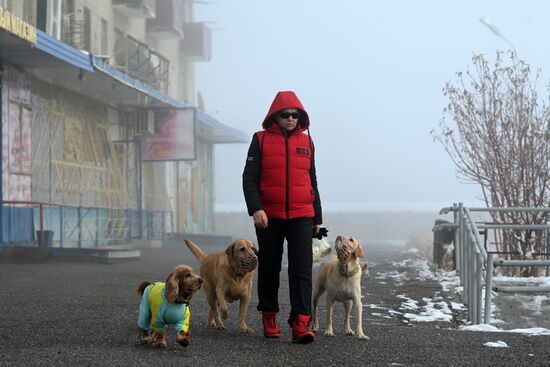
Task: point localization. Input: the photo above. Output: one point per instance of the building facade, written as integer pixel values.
(102, 138)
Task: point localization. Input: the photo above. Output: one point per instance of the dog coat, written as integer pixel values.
(155, 312)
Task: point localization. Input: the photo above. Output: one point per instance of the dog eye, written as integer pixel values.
(188, 275)
(242, 249)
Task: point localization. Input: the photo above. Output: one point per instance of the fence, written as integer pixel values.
(476, 259)
(82, 227)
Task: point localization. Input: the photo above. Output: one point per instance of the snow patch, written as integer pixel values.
(497, 344)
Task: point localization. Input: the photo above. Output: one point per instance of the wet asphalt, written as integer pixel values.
(85, 314)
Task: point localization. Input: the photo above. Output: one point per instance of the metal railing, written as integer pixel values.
(138, 60)
(20, 226)
(62, 225)
(475, 263)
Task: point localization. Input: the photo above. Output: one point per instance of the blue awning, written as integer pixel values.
(48, 53)
(53, 60)
(214, 131)
(136, 84)
(208, 128)
(63, 51)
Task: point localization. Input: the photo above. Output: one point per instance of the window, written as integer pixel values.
(54, 19)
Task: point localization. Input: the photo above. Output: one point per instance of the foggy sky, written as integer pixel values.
(370, 74)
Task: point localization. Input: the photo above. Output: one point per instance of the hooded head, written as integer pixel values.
(284, 100)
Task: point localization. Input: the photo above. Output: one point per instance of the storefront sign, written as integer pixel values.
(174, 139)
(17, 26)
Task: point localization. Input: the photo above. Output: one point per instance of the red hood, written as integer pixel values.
(284, 100)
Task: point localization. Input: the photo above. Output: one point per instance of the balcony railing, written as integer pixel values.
(139, 61)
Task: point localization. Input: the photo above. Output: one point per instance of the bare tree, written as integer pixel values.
(499, 137)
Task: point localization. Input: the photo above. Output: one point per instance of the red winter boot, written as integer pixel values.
(271, 326)
(300, 332)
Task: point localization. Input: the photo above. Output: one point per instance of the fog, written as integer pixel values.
(370, 74)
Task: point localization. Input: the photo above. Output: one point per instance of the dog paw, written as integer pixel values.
(315, 328)
(144, 337)
(329, 333)
(218, 324)
(144, 340)
(363, 337)
(183, 338)
(183, 342)
(350, 332)
(245, 329)
(160, 344)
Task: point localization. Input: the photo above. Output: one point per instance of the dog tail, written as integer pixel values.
(141, 288)
(364, 267)
(196, 250)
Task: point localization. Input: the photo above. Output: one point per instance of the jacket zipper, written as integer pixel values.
(287, 189)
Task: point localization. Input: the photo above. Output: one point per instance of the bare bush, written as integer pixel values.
(498, 136)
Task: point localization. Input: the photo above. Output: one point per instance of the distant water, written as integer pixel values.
(361, 206)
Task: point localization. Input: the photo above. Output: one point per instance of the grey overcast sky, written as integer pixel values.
(370, 74)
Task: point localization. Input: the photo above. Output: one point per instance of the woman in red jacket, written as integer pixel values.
(280, 189)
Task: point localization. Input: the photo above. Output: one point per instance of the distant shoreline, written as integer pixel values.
(412, 225)
(360, 207)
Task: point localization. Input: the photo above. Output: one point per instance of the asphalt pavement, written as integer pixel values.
(83, 314)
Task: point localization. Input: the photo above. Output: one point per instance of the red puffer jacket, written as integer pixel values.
(285, 186)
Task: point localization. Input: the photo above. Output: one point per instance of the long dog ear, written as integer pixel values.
(171, 288)
(359, 250)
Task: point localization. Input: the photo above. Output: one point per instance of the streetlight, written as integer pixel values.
(486, 22)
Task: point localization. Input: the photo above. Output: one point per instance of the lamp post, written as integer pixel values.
(486, 22)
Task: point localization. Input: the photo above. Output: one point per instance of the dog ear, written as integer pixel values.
(254, 249)
(229, 250)
(171, 288)
(359, 250)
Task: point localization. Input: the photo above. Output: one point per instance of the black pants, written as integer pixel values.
(298, 234)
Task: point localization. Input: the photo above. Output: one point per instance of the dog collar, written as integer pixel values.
(343, 269)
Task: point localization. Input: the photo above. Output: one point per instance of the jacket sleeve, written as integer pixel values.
(318, 219)
(144, 320)
(251, 177)
(183, 322)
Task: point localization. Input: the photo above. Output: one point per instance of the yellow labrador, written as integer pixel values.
(227, 277)
(341, 279)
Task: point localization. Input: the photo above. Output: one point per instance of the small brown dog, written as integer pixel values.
(167, 304)
(341, 279)
(227, 277)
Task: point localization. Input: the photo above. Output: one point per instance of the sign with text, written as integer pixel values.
(17, 26)
(174, 137)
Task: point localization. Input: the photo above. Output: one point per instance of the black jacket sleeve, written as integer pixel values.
(251, 177)
(318, 219)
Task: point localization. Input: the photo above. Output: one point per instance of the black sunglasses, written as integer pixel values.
(285, 115)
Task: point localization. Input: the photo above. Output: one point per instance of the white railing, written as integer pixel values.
(475, 264)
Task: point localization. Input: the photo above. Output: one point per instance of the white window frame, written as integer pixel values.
(54, 18)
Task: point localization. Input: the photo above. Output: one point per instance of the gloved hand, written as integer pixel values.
(322, 233)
